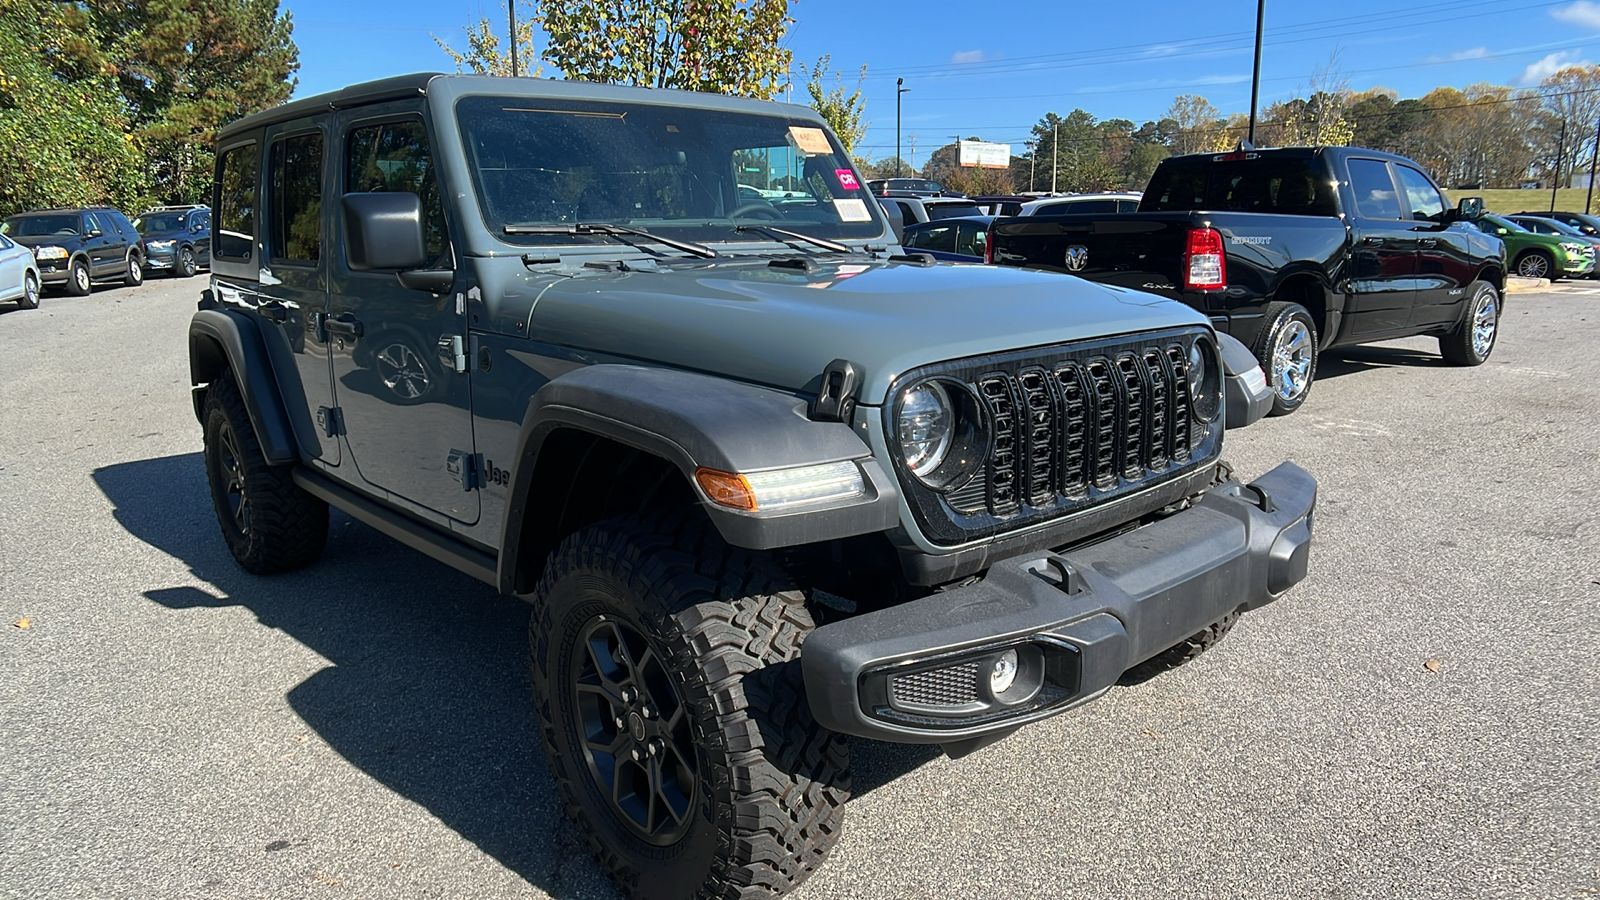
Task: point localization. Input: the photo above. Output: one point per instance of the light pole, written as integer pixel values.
(1033, 157)
(899, 88)
(1055, 158)
(511, 10)
(1255, 80)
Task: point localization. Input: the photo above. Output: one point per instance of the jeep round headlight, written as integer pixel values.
(939, 426)
(925, 424)
(1205, 381)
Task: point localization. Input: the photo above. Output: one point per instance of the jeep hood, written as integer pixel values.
(781, 326)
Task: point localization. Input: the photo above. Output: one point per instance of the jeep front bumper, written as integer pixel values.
(1044, 632)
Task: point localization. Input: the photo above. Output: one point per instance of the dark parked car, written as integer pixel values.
(76, 246)
(959, 239)
(177, 239)
(918, 187)
(1589, 225)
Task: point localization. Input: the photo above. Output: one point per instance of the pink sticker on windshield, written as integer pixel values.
(847, 179)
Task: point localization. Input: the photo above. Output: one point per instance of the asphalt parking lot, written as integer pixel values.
(1417, 719)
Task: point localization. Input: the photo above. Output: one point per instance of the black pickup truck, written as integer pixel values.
(1292, 251)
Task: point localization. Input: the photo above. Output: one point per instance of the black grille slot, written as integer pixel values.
(950, 686)
(1103, 406)
(1004, 460)
(1039, 474)
(1157, 419)
(1130, 454)
(1076, 441)
(1180, 400)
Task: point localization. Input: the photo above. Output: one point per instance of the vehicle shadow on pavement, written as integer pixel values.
(1349, 360)
(428, 687)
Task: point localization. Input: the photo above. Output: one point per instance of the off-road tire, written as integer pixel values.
(30, 291)
(1180, 653)
(78, 279)
(184, 266)
(133, 270)
(725, 625)
(284, 527)
(1536, 264)
(1473, 339)
(1282, 320)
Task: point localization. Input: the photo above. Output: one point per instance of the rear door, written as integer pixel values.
(293, 285)
(407, 414)
(11, 267)
(1383, 251)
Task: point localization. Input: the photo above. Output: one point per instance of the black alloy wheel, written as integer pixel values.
(635, 730)
(186, 265)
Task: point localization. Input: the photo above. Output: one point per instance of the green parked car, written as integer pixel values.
(1539, 255)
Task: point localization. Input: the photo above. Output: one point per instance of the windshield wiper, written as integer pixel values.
(612, 229)
(825, 244)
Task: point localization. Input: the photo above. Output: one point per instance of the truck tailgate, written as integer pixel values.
(1135, 250)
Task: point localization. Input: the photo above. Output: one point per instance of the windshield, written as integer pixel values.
(1282, 185)
(159, 222)
(34, 226)
(690, 173)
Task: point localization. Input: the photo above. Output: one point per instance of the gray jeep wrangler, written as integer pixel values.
(653, 362)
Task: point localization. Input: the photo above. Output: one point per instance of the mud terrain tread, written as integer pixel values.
(735, 627)
(1180, 653)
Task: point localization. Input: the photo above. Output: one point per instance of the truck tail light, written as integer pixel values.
(988, 247)
(1205, 265)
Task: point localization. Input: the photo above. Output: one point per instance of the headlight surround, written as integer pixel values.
(160, 245)
(50, 252)
(1205, 380)
(1573, 249)
(942, 434)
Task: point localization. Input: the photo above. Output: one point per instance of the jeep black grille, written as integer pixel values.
(955, 685)
(1073, 425)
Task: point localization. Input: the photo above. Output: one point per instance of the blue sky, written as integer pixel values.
(992, 69)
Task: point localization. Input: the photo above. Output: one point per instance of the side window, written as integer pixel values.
(393, 156)
(237, 185)
(1127, 206)
(907, 215)
(1374, 189)
(295, 176)
(1422, 198)
(941, 238)
(87, 225)
(969, 238)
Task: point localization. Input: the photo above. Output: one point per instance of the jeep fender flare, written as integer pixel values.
(693, 420)
(223, 340)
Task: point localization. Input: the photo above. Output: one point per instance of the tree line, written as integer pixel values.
(118, 102)
(1483, 136)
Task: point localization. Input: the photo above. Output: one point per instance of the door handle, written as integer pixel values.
(1372, 241)
(1428, 242)
(274, 310)
(343, 324)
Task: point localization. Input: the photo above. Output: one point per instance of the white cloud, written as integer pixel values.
(1548, 66)
(1474, 53)
(1582, 13)
(967, 56)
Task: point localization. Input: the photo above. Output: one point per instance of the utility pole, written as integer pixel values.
(1033, 157)
(1055, 158)
(1561, 149)
(511, 9)
(899, 88)
(1255, 80)
(912, 140)
(1592, 159)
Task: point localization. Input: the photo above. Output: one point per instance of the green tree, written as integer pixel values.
(185, 69)
(64, 134)
(719, 46)
(1572, 96)
(841, 111)
(483, 55)
(1195, 124)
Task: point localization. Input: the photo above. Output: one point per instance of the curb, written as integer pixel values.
(1516, 284)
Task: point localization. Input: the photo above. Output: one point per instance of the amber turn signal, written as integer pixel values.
(726, 489)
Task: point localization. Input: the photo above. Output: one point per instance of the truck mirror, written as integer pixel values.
(1470, 207)
(383, 230)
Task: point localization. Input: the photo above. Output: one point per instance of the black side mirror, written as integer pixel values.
(383, 230)
(1470, 208)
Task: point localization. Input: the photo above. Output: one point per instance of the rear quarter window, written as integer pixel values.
(237, 187)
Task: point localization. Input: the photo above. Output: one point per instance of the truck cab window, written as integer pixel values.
(1423, 200)
(1374, 189)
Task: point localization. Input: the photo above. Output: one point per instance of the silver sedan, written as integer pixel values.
(19, 274)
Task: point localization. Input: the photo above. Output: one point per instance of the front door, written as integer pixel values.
(1444, 255)
(1383, 253)
(407, 414)
(104, 249)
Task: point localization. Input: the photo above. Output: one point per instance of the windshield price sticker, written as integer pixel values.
(810, 141)
(847, 179)
(852, 210)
